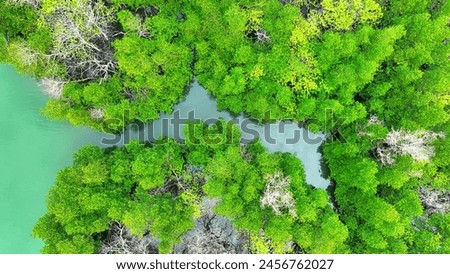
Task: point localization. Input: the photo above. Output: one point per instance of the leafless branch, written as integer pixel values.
(121, 241)
(417, 144)
(212, 234)
(52, 87)
(277, 194)
(435, 201)
(82, 34)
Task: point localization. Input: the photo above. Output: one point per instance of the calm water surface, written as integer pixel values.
(32, 150)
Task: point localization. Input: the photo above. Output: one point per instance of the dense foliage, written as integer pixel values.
(129, 60)
(371, 73)
(155, 189)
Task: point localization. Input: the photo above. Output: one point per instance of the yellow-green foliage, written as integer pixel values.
(342, 15)
(259, 244)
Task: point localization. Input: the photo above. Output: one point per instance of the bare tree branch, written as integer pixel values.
(212, 234)
(121, 241)
(82, 34)
(96, 113)
(52, 87)
(435, 201)
(401, 142)
(277, 194)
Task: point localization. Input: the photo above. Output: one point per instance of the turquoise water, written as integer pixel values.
(33, 149)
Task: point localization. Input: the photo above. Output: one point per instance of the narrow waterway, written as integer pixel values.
(33, 149)
(276, 137)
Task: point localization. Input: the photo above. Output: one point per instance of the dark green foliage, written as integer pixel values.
(17, 21)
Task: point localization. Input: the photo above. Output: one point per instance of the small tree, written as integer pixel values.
(133, 23)
(24, 54)
(52, 87)
(96, 113)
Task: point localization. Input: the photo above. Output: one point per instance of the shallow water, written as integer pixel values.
(33, 149)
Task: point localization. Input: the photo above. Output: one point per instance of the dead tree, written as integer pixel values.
(96, 113)
(277, 194)
(212, 234)
(417, 144)
(52, 87)
(82, 33)
(262, 36)
(435, 201)
(120, 241)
